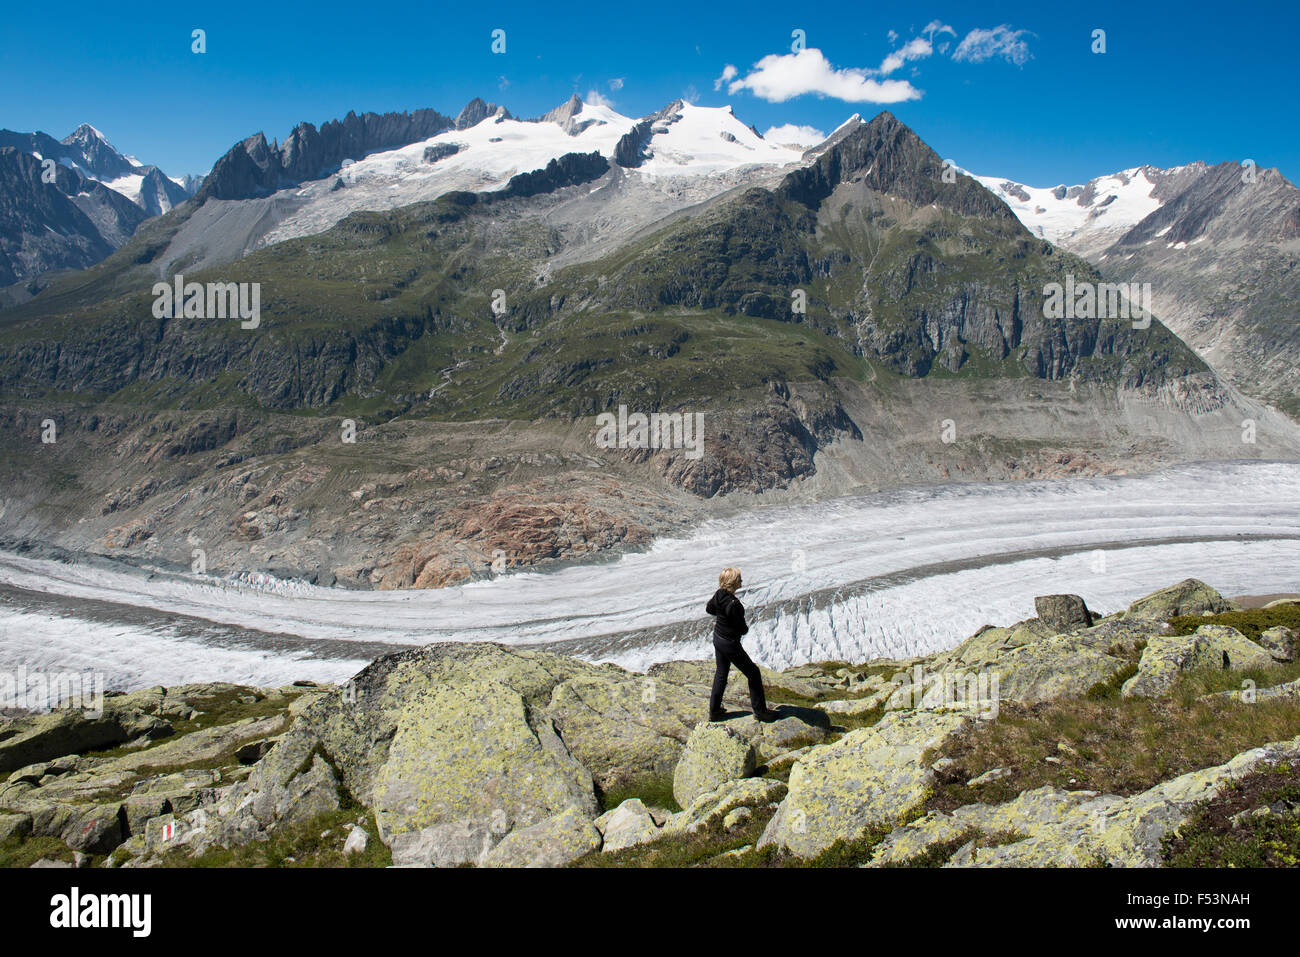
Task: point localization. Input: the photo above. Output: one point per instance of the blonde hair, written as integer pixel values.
(729, 579)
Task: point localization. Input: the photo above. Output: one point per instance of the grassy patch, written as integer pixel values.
(1109, 689)
(314, 843)
(941, 853)
(1210, 838)
(687, 849)
(1252, 622)
(654, 790)
(1117, 746)
(26, 851)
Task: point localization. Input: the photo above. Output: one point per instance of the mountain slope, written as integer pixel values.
(1220, 246)
(470, 339)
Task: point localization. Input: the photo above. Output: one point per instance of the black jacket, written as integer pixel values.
(728, 615)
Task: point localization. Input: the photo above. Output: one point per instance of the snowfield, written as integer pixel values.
(1108, 205)
(704, 142)
(890, 574)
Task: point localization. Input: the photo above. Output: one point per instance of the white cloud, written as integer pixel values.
(616, 83)
(788, 134)
(980, 45)
(780, 77)
(915, 49)
(893, 37)
(728, 74)
(937, 26)
(595, 98)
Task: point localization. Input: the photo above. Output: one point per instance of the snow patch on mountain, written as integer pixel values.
(1084, 218)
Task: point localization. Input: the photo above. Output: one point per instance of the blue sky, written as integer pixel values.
(1016, 91)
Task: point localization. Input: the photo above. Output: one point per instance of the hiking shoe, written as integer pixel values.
(717, 715)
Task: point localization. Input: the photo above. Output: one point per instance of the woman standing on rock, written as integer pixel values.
(728, 625)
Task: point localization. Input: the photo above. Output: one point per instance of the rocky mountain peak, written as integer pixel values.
(885, 155)
(96, 153)
(476, 111)
(566, 116)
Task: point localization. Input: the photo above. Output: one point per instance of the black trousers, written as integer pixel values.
(727, 653)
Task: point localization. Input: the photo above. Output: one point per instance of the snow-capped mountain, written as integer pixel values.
(260, 192)
(75, 213)
(1218, 244)
(675, 149)
(89, 152)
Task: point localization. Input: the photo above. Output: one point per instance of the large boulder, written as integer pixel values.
(1188, 597)
(1062, 613)
(714, 754)
(870, 777)
(625, 727)
(473, 757)
(1212, 646)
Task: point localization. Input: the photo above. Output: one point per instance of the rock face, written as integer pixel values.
(1189, 597)
(870, 777)
(469, 761)
(1213, 646)
(255, 168)
(714, 755)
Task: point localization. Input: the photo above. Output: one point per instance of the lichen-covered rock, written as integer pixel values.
(1062, 613)
(714, 754)
(44, 737)
(795, 728)
(624, 726)
(14, 825)
(470, 753)
(737, 817)
(1075, 828)
(715, 805)
(95, 828)
(1188, 597)
(1212, 646)
(1026, 662)
(871, 776)
(628, 824)
(554, 842)
(1279, 642)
